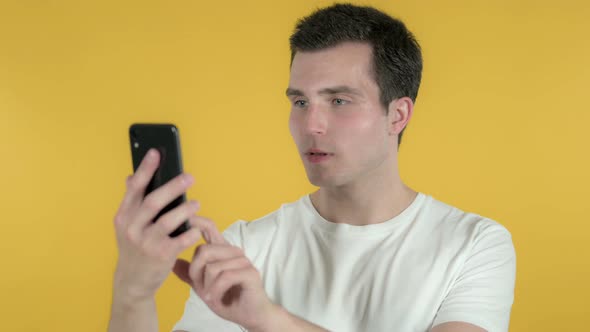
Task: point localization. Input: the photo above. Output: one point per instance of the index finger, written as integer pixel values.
(210, 232)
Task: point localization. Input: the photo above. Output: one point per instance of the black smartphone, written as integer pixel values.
(165, 138)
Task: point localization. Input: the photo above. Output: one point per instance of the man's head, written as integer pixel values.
(354, 77)
(396, 56)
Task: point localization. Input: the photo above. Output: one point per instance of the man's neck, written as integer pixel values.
(371, 202)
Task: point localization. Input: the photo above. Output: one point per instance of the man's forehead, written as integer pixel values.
(330, 72)
(355, 58)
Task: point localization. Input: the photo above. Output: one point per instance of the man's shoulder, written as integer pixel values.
(458, 237)
(242, 233)
(457, 222)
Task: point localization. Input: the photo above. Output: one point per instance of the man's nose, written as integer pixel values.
(316, 120)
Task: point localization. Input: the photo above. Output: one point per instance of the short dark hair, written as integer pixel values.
(397, 59)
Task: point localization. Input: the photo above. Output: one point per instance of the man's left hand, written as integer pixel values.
(225, 279)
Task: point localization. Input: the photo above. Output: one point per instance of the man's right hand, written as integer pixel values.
(146, 252)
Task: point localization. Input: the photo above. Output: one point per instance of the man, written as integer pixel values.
(364, 252)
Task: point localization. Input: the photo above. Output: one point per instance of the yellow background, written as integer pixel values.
(500, 129)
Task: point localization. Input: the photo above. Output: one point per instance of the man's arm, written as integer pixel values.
(457, 327)
(146, 252)
(141, 316)
(282, 320)
(225, 280)
(285, 322)
(484, 292)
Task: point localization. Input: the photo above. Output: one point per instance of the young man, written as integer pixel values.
(363, 253)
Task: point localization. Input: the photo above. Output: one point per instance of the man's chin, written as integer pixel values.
(321, 180)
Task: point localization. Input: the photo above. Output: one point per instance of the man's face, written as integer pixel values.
(337, 121)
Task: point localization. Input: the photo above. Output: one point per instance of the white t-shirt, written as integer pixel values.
(431, 264)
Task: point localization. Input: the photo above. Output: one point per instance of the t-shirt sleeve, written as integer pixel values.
(484, 291)
(197, 316)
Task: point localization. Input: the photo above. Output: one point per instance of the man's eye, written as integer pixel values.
(299, 103)
(339, 101)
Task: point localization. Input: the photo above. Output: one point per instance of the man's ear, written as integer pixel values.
(399, 113)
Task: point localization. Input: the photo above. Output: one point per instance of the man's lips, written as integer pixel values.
(317, 152)
(317, 156)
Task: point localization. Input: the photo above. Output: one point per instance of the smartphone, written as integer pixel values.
(165, 138)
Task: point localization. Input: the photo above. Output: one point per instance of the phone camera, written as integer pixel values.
(133, 133)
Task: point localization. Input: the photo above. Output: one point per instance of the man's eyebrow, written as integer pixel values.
(326, 91)
(294, 92)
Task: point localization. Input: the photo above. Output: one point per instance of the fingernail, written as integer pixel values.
(187, 178)
(207, 297)
(151, 153)
(206, 236)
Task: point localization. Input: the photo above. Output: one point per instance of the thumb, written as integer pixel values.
(216, 237)
(211, 234)
(181, 270)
